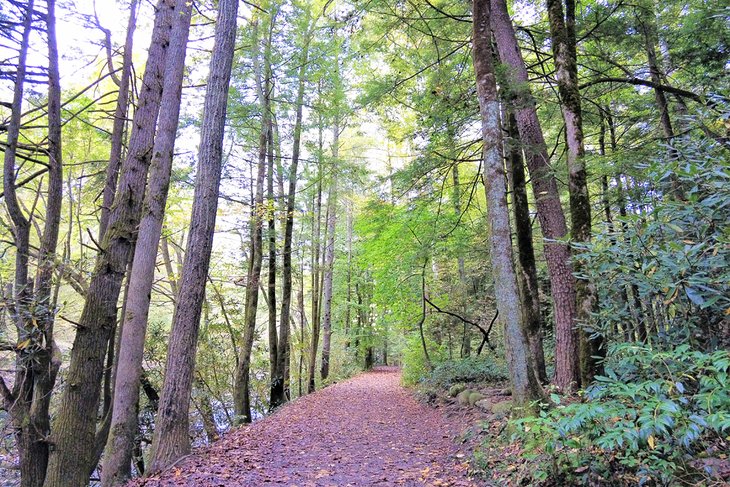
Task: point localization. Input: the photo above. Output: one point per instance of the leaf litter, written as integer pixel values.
(366, 431)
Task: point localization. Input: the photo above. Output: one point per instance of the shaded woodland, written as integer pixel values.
(210, 209)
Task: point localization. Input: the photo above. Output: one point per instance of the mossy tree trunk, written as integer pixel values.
(527, 270)
(523, 376)
(120, 443)
(547, 198)
(563, 41)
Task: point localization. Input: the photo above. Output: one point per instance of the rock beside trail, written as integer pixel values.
(484, 405)
(474, 397)
(456, 389)
(463, 397)
(502, 408)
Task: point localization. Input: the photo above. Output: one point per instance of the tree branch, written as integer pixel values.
(650, 84)
(7, 396)
(485, 333)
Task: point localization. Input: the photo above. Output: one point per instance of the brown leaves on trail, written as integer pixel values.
(361, 432)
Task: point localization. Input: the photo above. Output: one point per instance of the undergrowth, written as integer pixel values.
(658, 417)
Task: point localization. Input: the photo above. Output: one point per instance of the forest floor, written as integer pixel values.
(365, 431)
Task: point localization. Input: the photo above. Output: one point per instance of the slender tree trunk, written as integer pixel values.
(271, 216)
(303, 325)
(171, 276)
(647, 25)
(348, 305)
(47, 361)
(523, 376)
(28, 403)
(527, 270)
(329, 259)
(316, 269)
(330, 246)
(120, 122)
(562, 32)
(465, 349)
(75, 426)
(280, 387)
(270, 204)
(120, 444)
(547, 199)
(241, 391)
(171, 440)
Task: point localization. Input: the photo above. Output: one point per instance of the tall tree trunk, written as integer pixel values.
(527, 270)
(280, 384)
(303, 327)
(270, 205)
(562, 33)
(316, 272)
(120, 444)
(171, 440)
(330, 245)
(465, 349)
(547, 199)
(37, 359)
(329, 259)
(241, 390)
(348, 304)
(46, 362)
(120, 122)
(316, 269)
(271, 217)
(75, 425)
(523, 376)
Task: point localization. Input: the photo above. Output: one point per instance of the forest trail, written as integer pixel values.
(365, 431)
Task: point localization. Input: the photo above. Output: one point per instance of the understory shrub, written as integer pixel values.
(649, 421)
(468, 369)
(663, 269)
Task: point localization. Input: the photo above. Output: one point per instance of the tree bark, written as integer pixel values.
(647, 25)
(465, 349)
(271, 233)
(120, 444)
(523, 376)
(171, 440)
(547, 198)
(75, 425)
(527, 270)
(37, 358)
(316, 269)
(562, 33)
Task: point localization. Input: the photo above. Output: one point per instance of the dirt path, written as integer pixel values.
(361, 432)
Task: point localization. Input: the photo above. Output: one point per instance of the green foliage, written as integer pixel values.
(645, 420)
(671, 251)
(415, 367)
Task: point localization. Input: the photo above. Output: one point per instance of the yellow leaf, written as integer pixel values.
(651, 441)
(23, 344)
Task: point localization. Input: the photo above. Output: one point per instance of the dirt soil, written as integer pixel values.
(366, 431)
